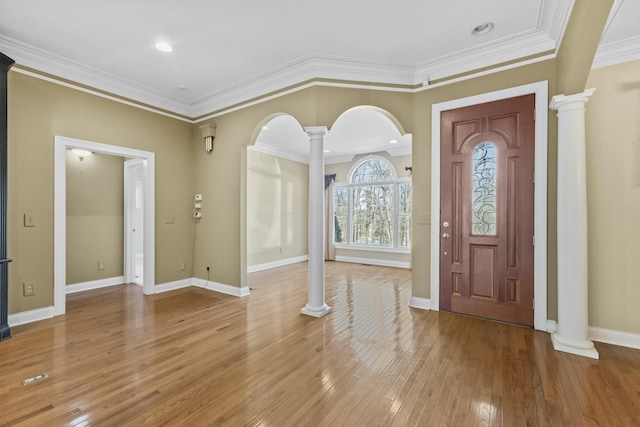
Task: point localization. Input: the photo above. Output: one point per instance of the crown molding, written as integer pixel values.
(510, 49)
(553, 18)
(278, 152)
(551, 22)
(63, 68)
(309, 67)
(617, 52)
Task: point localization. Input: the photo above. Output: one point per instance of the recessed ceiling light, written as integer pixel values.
(482, 29)
(265, 127)
(327, 151)
(393, 141)
(164, 47)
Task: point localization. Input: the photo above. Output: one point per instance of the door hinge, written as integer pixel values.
(533, 240)
(533, 304)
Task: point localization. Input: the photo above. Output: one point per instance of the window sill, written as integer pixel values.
(372, 249)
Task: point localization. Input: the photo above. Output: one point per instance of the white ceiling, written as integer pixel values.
(227, 52)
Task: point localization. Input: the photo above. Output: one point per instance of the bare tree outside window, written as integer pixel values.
(374, 209)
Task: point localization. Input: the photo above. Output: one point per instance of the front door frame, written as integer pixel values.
(540, 89)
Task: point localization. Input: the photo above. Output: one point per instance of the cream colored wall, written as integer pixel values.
(342, 175)
(95, 217)
(38, 110)
(277, 208)
(220, 176)
(613, 192)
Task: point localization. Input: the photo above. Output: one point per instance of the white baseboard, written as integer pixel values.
(94, 284)
(30, 316)
(279, 263)
(220, 287)
(609, 336)
(421, 303)
(172, 286)
(373, 261)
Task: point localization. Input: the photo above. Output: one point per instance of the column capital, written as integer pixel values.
(560, 102)
(316, 131)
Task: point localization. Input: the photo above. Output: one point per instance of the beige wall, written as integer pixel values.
(38, 110)
(95, 217)
(277, 208)
(613, 185)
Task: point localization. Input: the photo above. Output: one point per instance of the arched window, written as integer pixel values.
(373, 209)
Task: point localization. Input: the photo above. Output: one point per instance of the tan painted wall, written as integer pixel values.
(95, 217)
(38, 110)
(342, 171)
(277, 208)
(613, 191)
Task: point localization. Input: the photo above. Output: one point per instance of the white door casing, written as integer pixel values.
(61, 144)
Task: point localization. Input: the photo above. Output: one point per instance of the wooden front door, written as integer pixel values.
(486, 202)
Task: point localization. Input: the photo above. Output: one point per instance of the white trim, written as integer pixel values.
(275, 264)
(374, 261)
(30, 316)
(220, 287)
(540, 89)
(172, 286)
(609, 336)
(552, 326)
(95, 284)
(373, 249)
(61, 144)
(420, 303)
(552, 18)
(278, 152)
(617, 52)
(129, 211)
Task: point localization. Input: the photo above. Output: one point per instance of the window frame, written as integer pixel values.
(395, 182)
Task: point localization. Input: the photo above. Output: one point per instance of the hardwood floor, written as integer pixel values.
(195, 357)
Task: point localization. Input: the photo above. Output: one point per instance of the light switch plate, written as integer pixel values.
(29, 220)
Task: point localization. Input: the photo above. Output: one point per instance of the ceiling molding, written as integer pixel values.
(552, 18)
(617, 52)
(61, 67)
(278, 152)
(510, 49)
(554, 15)
(308, 67)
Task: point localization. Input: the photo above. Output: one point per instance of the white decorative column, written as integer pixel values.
(573, 313)
(316, 306)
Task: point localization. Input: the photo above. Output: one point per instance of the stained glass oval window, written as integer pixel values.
(483, 193)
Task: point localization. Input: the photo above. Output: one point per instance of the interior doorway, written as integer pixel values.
(134, 221)
(147, 159)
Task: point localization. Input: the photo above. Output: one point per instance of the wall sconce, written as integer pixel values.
(81, 153)
(209, 134)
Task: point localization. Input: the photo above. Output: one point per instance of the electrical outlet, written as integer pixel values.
(170, 219)
(181, 265)
(28, 289)
(100, 265)
(29, 220)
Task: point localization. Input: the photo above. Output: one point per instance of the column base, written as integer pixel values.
(315, 311)
(568, 345)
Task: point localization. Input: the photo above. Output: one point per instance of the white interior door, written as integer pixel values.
(134, 221)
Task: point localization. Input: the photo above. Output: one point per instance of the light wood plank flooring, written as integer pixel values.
(195, 357)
